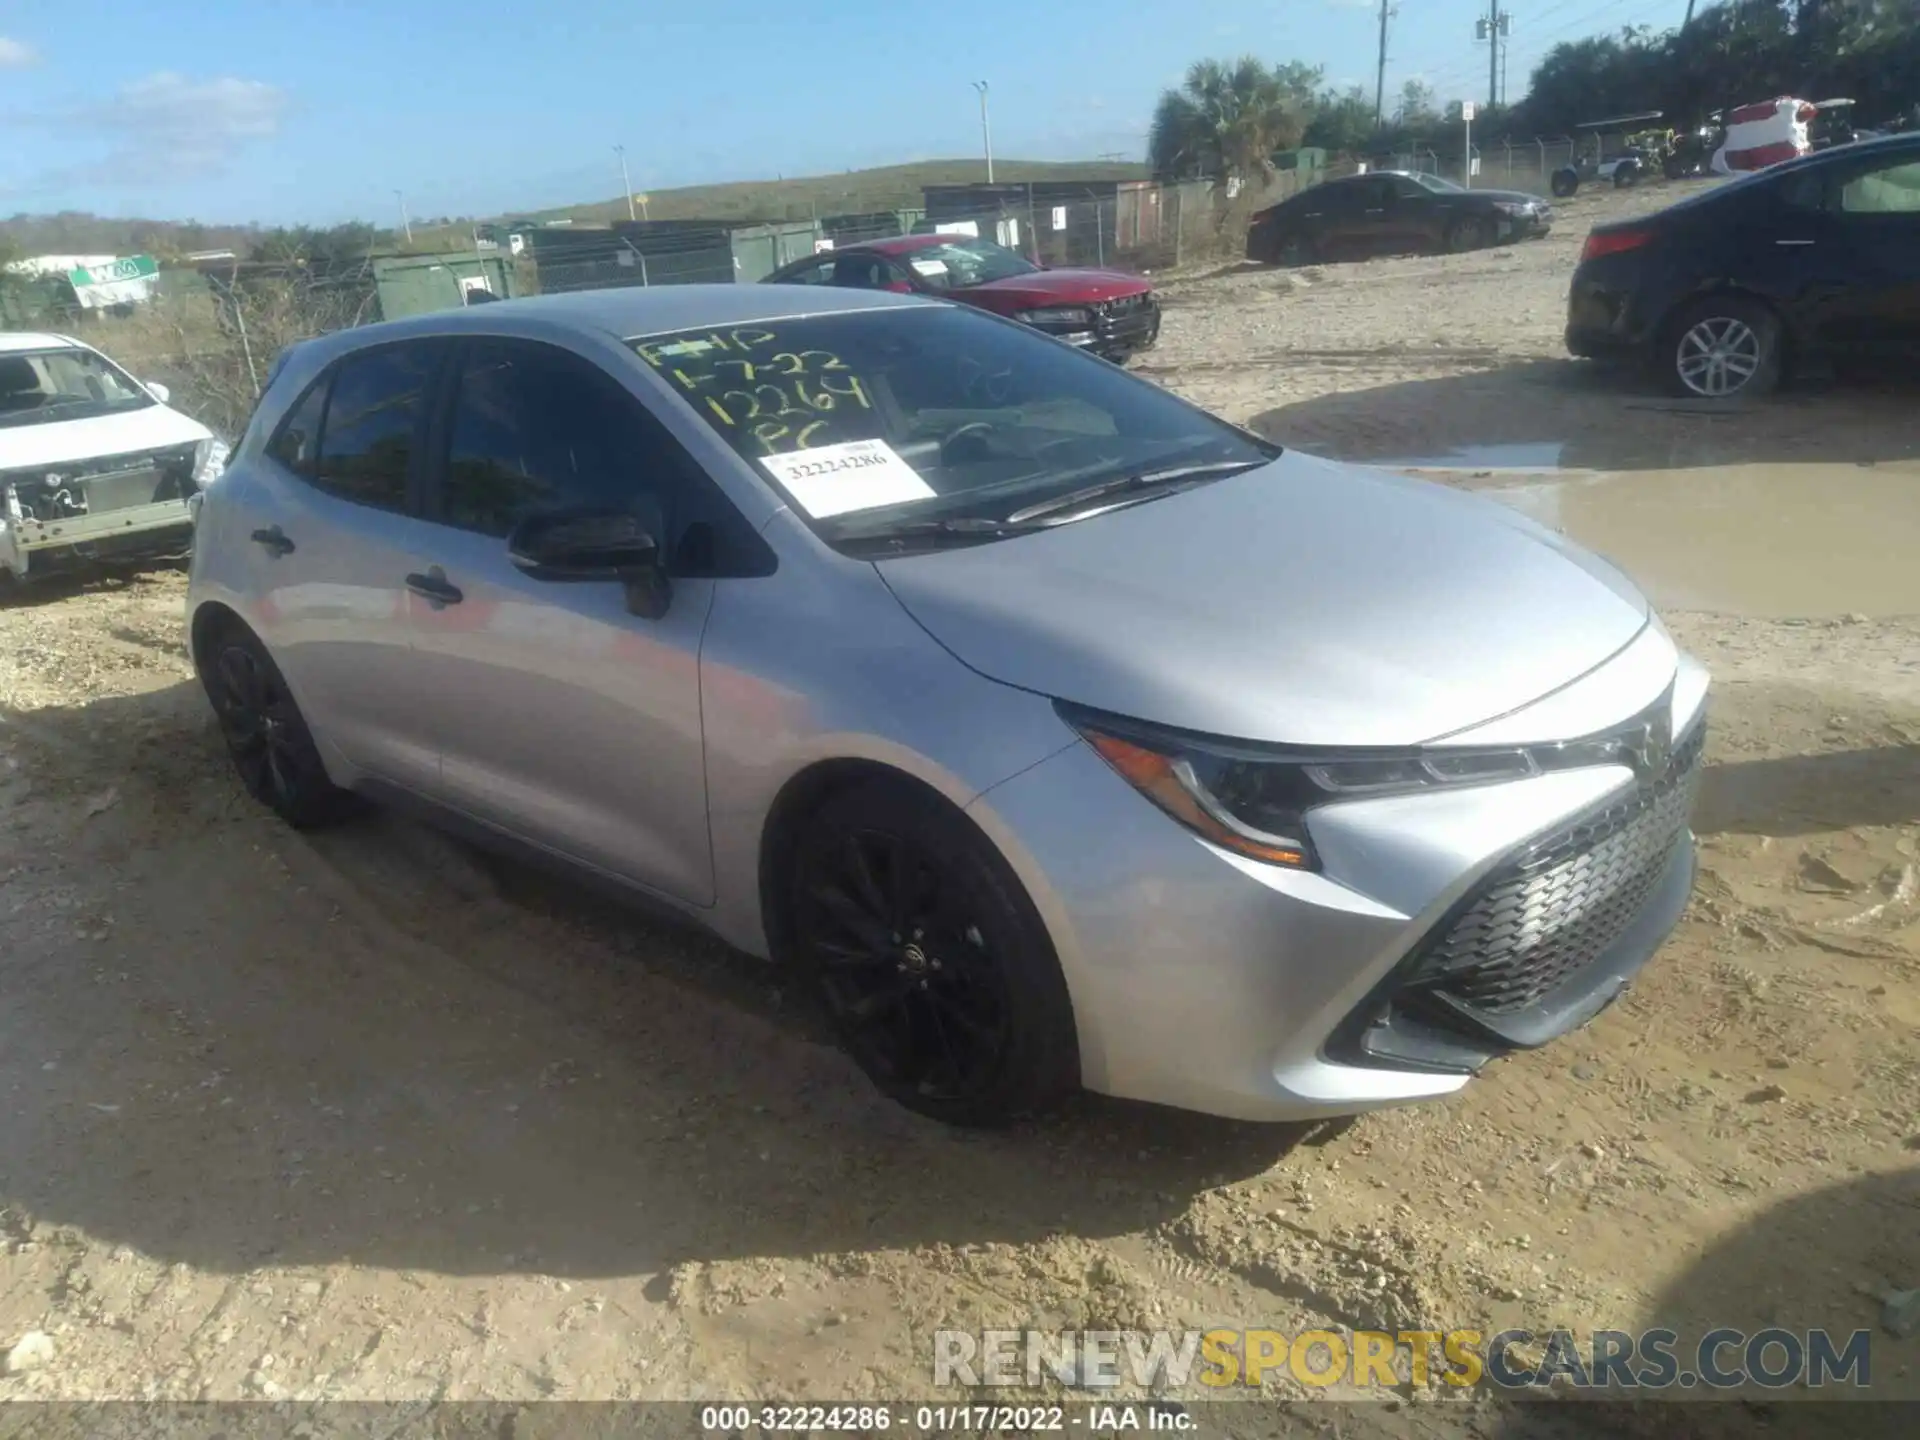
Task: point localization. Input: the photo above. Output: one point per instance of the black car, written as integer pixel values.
(1726, 292)
(1391, 211)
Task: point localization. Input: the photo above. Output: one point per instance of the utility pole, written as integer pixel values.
(1493, 55)
(1494, 27)
(405, 223)
(986, 131)
(626, 184)
(1380, 76)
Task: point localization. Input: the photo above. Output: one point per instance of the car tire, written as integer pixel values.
(1625, 176)
(1724, 348)
(1674, 167)
(1295, 251)
(1469, 232)
(929, 958)
(1565, 183)
(267, 737)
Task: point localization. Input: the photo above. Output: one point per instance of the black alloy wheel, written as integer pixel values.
(933, 968)
(266, 735)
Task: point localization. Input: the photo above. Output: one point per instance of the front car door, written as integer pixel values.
(564, 719)
(335, 532)
(1414, 218)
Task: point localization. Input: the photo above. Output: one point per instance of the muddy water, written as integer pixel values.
(1771, 541)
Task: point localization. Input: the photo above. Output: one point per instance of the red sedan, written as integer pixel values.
(1108, 312)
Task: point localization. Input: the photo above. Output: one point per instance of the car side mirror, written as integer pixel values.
(159, 391)
(589, 545)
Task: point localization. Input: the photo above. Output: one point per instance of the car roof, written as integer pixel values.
(623, 313)
(12, 340)
(906, 244)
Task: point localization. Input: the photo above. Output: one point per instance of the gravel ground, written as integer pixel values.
(362, 1115)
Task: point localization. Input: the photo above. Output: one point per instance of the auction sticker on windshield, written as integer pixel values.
(836, 479)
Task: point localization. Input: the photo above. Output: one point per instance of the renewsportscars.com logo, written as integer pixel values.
(1171, 1360)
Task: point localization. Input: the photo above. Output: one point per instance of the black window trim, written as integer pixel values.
(752, 556)
(413, 505)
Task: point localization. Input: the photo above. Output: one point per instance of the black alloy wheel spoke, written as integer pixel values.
(920, 997)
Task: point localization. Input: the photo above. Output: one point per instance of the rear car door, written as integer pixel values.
(564, 719)
(1874, 224)
(335, 531)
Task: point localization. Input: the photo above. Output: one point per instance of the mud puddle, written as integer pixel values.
(1767, 541)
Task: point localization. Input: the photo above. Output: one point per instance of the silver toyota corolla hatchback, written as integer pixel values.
(1063, 734)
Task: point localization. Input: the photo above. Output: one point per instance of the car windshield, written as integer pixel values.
(1439, 186)
(963, 261)
(887, 422)
(65, 383)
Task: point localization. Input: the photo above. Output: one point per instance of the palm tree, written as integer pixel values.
(1225, 121)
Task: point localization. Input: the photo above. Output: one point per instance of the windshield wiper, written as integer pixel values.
(964, 526)
(1145, 480)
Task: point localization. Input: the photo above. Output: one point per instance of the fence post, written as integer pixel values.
(1099, 234)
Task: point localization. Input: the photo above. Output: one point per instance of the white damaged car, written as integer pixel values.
(96, 470)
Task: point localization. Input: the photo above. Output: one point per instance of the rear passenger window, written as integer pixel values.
(297, 446)
(372, 420)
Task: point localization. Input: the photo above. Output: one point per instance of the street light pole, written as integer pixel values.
(405, 223)
(626, 183)
(986, 131)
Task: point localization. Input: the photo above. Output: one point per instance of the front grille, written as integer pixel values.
(1125, 305)
(1538, 922)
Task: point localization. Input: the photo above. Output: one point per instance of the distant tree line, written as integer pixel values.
(1229, 118)
(74, 232)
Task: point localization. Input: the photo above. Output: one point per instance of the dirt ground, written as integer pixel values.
(363, 1115)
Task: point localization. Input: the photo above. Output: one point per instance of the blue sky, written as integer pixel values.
(318, 110)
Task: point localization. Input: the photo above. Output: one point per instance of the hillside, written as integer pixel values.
(888, 187)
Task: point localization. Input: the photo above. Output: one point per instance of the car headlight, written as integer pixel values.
(1513, 207)
(209, 460)
(1254, 800)
(1058, 315)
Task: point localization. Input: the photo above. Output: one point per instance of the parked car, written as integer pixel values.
(1727, 292)
(95, 468)
(1108, 312)
(1058, 732)
(1391, 211)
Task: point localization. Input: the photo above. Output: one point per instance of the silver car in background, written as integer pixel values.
(1061, 733)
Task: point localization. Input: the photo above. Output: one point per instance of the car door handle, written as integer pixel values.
(435, 586)
(275, 539)
(1796, 242)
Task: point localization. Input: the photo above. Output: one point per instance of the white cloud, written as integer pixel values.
(16, 54)
(166, 126)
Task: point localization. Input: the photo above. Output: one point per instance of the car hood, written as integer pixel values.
(1054, 287)
(1302, 603)
(55, 442)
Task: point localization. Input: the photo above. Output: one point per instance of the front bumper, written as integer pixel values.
(1120, 327)
(1529, 225)
(33, 550)
(1214, 983)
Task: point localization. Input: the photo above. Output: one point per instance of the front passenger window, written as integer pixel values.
(538, 429)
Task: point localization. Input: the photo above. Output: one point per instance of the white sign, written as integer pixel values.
(821, 247)
(1475, 170)
(958, 227)
(1059, 217)
(471, 283)
(1466, 111)
(836, 479)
